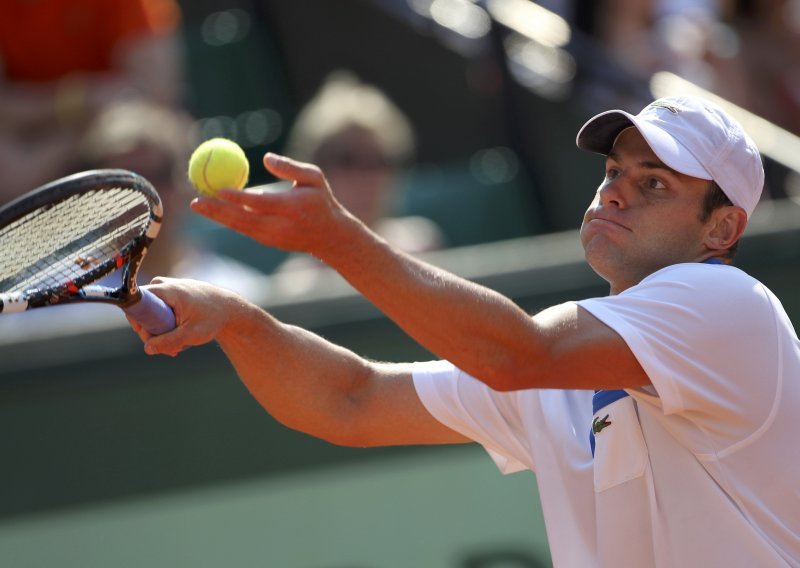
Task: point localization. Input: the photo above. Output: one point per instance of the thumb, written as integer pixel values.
(170, 343)
(299, 172)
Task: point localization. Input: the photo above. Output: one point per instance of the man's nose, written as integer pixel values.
(613, 191)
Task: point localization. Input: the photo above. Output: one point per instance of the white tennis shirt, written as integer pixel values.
(701, 469)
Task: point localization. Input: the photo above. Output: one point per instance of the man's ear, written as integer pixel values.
(725, 227)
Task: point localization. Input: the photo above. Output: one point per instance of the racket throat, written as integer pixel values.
(117, 296)
(130, 293)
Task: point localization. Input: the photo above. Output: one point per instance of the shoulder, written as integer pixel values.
(696, 273)
(691, 299)
(702, 333)
(699, 284)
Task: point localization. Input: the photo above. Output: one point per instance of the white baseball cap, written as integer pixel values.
(692, 136)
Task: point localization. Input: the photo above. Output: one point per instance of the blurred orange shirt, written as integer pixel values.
(43, 40)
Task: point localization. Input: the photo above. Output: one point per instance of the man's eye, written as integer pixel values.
(655, 183)
(611, 173)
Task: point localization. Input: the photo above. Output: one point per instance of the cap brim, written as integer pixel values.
(599, 133)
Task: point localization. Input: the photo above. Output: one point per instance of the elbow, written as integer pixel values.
(348, 442)
(536, 364)
(514, 377)
(347, 435)
(341, 435)
(507, 382)
(330, 433)
(335, 428)
(343, 424)
(360, 427)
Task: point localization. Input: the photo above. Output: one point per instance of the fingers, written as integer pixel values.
(229, 202)
(173, 345)
(163, 345)
(299, 172)
(221, 211)
(258, 199)
(256, 225)
(200, 312)
(296, 219)
(137, 327)
(265, 199)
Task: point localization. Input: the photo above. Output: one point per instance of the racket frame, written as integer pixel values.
(129, 257)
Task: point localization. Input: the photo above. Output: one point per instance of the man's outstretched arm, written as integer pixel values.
(477, 329)
(304, 381)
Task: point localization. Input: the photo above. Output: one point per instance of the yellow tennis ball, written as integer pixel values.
(216, 164)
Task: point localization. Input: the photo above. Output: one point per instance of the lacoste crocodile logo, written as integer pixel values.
(598, 424)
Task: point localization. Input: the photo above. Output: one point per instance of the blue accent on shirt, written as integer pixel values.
(600, 400)
(603, 398)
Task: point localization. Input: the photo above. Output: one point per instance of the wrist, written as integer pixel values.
(345, 242)
(239, 319)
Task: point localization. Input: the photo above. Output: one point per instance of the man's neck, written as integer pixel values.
(615, 290)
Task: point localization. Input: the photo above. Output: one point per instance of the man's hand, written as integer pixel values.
(306, 218)
(202, 313)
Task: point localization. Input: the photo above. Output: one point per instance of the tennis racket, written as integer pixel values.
(58, 240)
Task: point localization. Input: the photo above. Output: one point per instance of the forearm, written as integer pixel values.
(302, 380)
(477, 329)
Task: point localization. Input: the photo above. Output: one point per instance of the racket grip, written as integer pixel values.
(152, 313)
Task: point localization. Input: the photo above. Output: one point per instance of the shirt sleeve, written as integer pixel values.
(705, 336)
(469, 407)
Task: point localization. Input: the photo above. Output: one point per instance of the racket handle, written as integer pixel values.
(152, 313)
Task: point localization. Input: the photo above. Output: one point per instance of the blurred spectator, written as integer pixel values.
(770, 32)
(691, 38)
(62, 62)
(154, 141)
(362, 141)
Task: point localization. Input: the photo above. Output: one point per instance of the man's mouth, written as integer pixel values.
(606, 220)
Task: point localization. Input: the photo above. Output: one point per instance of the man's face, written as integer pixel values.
(644, 216)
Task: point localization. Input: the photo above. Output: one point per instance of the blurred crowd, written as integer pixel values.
(62, 62)
(747, 51)
(104, 85)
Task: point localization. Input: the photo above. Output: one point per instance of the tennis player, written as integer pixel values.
(660, 420)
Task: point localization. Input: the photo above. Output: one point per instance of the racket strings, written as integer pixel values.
(77, 240)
